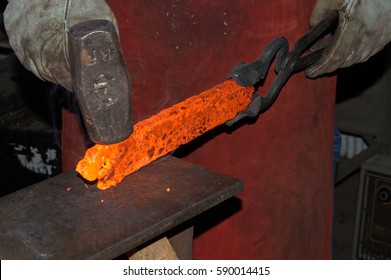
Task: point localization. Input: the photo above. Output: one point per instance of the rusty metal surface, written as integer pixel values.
(61, 218)
(100, 81)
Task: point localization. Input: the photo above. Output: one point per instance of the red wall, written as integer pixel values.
(175, 49)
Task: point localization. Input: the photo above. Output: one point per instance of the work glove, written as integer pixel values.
(364, 28)
(37, 31)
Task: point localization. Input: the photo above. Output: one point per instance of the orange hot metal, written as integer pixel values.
(163, 133)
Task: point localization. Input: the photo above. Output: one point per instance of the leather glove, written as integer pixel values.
(364, 28)
(37, 31)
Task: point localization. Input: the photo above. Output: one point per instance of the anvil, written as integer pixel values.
(62, 218)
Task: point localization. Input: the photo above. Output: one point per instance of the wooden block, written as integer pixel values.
(159, 250)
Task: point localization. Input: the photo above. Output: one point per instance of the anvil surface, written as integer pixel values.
(63, 218)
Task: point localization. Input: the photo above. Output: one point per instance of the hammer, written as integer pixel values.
(100, 81)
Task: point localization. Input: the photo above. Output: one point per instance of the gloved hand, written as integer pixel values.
(364, 29)
(37, 31)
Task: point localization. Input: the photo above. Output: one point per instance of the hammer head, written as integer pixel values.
(100, 81)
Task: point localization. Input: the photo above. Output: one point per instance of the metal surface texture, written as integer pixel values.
(62, 218)
(100, 81)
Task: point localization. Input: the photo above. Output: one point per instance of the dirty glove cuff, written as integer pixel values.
(364, 29)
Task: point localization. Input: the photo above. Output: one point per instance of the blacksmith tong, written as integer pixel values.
(287, 63)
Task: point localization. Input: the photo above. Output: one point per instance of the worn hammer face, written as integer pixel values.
(100, 81)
